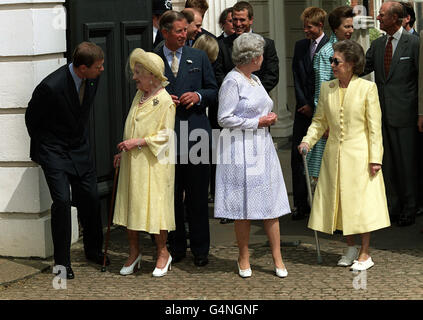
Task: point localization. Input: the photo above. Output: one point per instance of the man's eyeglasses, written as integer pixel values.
(334, 61)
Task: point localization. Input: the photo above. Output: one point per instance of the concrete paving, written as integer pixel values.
(397, 274)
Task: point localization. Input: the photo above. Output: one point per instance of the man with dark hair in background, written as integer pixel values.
(409, 18)
(159, 7)
(225, 22)
(313, 19)
(242, 18)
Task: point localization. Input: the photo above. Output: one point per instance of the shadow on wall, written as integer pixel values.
(25, 190)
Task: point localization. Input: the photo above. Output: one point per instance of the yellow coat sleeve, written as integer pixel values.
(319, 123)
(161, 140)
(374, 125)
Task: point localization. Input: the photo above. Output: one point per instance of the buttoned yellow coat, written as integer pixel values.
(347, 197)
(145, 194)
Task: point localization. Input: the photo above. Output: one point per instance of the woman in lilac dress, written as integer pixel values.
(249, 181)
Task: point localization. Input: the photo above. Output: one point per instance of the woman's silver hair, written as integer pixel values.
(247, 47)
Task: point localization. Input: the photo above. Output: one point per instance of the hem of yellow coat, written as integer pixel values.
(145, 229)
(350, 233)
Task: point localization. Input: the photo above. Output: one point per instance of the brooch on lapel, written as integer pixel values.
(189, 61)
(332, 85)
(155, 101)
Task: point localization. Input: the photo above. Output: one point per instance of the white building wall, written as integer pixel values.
(32, 43)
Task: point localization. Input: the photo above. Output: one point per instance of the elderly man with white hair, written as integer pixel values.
(249, 181)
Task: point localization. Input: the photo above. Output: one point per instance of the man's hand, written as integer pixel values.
(189, 99)
(306, 110)
(175, 99)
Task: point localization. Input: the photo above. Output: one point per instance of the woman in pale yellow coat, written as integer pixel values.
(144, 200)
(350, 194)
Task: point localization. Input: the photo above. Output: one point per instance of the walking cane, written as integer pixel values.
(112, 204)
(310, 200)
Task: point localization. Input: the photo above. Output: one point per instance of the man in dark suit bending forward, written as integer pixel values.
(57, 120)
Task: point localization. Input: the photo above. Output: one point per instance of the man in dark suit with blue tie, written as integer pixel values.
(57, 120)
(409, 18)
(193, 88)
(302, 69)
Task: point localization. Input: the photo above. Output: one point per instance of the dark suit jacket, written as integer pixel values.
(58, 124)
(203, 31)
(303, 73)
(195, 75)
(269, 72)
(398, 92)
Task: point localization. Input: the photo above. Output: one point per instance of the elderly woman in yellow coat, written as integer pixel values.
(350, 194)
(144, 200)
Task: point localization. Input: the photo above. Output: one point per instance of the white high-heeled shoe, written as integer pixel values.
(281, 273)
(161, 272)
(130, 269)
(246, 273)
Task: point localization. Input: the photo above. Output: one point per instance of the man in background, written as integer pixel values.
(225, 22)
(243, 18)
(159, 7)
(409, 18)
(395, 60)
(313, 19)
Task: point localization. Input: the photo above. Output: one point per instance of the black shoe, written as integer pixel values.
(177, 257)
(201, 261)
(419, 211)
(226, 221)
(405, 221)
(69, 273)
(97, 258)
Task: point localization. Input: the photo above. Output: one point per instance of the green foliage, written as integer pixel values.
(374, 34)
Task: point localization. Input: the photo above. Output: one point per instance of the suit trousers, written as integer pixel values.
(420, 169)
(84, 197)
(400, 169)
(299, 186)
(191, 189)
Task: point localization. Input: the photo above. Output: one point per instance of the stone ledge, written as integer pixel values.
(13, 270)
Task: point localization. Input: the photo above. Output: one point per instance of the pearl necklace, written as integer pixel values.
(250, 80)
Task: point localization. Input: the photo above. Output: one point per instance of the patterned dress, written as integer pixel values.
(249, 181)
(145, 193)
(323, 72)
